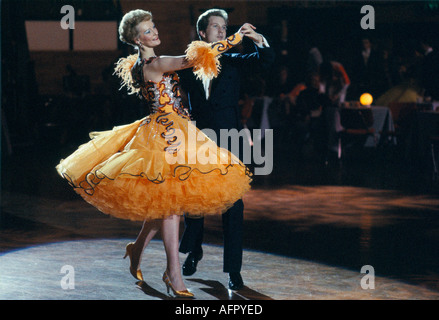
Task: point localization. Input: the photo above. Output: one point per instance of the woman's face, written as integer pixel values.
(148, 34)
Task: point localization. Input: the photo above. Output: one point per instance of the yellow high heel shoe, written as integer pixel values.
(182, 294)
(136, 273)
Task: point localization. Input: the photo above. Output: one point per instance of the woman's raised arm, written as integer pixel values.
(200, 55)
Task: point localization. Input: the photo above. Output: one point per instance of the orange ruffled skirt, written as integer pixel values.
(125, 172)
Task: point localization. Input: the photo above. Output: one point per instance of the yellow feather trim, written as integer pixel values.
(123, 71)
(204, 58)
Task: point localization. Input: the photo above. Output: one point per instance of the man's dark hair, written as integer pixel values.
(203, 19)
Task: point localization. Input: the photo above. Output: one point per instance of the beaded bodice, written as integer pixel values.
(163, 96)
(163, 99)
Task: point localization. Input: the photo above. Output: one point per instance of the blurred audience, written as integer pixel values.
(334, 81)
(406, 82)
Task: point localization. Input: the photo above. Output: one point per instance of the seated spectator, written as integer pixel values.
(334, 81)
(310, 112)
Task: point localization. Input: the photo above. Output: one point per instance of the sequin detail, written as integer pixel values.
(164, 98)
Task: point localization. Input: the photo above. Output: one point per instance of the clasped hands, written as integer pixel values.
(248, 30)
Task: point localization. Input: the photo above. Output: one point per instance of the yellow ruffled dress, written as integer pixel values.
(154, 167)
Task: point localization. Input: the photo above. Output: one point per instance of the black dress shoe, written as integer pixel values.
(190, 265)
(235, 281)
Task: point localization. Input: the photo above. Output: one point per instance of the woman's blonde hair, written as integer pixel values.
(128, 26)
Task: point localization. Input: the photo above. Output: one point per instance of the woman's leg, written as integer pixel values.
(170, 234)
(148, 231)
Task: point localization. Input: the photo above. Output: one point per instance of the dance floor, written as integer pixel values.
(98, 272)
(307, 234)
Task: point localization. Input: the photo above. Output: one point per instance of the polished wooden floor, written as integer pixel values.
(309, 229)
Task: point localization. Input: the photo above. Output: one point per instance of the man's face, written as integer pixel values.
(215, 31)
(366, 43)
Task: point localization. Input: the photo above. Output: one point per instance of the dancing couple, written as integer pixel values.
(124, 172)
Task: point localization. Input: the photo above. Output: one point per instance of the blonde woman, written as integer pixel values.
(125, 172)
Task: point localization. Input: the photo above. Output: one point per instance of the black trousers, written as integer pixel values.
(232, 221)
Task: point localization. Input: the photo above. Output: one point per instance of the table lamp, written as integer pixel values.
(366, 99)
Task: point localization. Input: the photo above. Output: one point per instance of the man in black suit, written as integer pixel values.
(215, 106)
(367, 71)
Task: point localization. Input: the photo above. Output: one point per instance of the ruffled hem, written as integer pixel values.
(139, 199)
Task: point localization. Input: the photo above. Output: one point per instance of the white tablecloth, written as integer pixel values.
(382, 123)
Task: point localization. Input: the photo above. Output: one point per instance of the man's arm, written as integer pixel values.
(262, 58)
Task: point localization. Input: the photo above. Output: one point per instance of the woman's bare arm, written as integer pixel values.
(155, 70)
